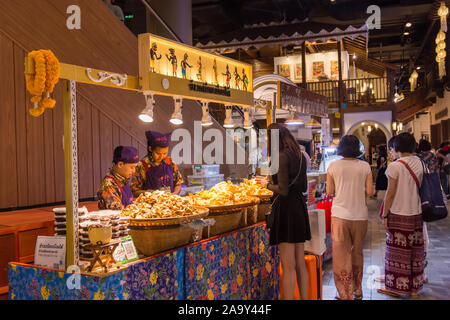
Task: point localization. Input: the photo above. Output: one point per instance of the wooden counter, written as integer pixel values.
(19, 231)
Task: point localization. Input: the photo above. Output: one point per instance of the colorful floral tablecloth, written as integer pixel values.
(239, 265)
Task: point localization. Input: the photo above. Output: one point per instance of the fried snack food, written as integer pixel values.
(252, 188)
(158, 204)
(222, 194)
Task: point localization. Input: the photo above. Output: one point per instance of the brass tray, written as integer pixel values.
(156, 222)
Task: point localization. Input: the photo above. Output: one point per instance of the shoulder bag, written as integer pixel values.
(433, 207)
(275, 207)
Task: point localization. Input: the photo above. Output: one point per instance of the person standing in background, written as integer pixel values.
(290, 227)
(307, 157)
(351, 181)
(381, 182)
(115, 9)
(405, 256)
(442, 155)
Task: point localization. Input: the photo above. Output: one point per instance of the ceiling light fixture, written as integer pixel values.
(313, 124)
(177, 116)
(147, 114)
(406, 33)
(248, 124)
(206, 117)
(408, 24)
(228, 123)
(294, 120)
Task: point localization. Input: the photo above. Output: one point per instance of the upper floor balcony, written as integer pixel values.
(356, 92)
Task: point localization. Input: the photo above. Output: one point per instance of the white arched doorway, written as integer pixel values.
(372, 134)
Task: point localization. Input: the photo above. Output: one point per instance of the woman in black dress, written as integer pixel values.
(290, 227)
(381, 182)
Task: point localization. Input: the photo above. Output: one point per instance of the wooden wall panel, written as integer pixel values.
(96, 158)
(106, 144)
(116, 137)
(35, 156)
(8, 169)
(58, 135)
(125, 138)
(86, 181)
(48, 156)
(21, 129)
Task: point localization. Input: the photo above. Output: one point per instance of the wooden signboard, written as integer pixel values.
(170, 68)
(302, 100)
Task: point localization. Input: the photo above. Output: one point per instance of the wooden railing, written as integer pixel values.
(358, 91)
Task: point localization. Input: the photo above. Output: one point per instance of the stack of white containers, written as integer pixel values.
(205, 176)
(318, 232)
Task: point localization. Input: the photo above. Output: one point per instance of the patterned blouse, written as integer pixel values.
(109, 195)
(430, 161)
(139, 179)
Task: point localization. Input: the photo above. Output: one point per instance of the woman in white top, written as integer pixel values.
(351, 181)
(405, 258)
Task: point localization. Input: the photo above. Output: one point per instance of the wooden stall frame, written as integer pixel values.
(71, 74)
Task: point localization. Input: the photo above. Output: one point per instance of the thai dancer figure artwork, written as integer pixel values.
(216, 80)
(237, 78)
(244, 80)
(228, 75)
(173, 59)
(184, 65)
(154, 56)
(199, 69)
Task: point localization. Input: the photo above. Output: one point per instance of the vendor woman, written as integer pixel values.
(114, 192)
(157, 171)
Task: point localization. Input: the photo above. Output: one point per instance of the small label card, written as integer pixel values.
(50, 252)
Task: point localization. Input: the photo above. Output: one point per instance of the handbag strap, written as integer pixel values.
(411, 172)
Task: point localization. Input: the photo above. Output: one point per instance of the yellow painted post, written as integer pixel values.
(71, 171)
(268, 114)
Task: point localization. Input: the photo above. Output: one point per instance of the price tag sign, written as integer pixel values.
(125, 251)
(50, 252)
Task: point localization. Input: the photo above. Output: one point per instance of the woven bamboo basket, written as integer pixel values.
(252, 212)
(152, 236)
(228, 218)
(263, 207)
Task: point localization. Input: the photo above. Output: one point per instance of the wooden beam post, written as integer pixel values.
(71, 170)
(304, 64)
(340, 90)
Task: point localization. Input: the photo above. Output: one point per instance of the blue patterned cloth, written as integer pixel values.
(240, 265)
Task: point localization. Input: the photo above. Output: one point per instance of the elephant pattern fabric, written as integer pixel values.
(405, 255)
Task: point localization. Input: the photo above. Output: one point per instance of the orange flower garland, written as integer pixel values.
(42, 83)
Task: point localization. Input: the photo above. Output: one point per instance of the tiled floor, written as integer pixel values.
(438, 256)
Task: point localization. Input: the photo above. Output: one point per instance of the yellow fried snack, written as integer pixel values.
(158, 204)
(226, 193)
(251, 187)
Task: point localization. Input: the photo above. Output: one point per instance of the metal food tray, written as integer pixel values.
(160, 222)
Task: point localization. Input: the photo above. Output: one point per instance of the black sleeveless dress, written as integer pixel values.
(291, 222)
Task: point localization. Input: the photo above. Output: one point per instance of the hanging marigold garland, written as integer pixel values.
(43, 81)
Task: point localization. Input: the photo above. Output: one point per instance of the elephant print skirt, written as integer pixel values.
(405, 255)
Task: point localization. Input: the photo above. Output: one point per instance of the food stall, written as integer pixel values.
(211, 245)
